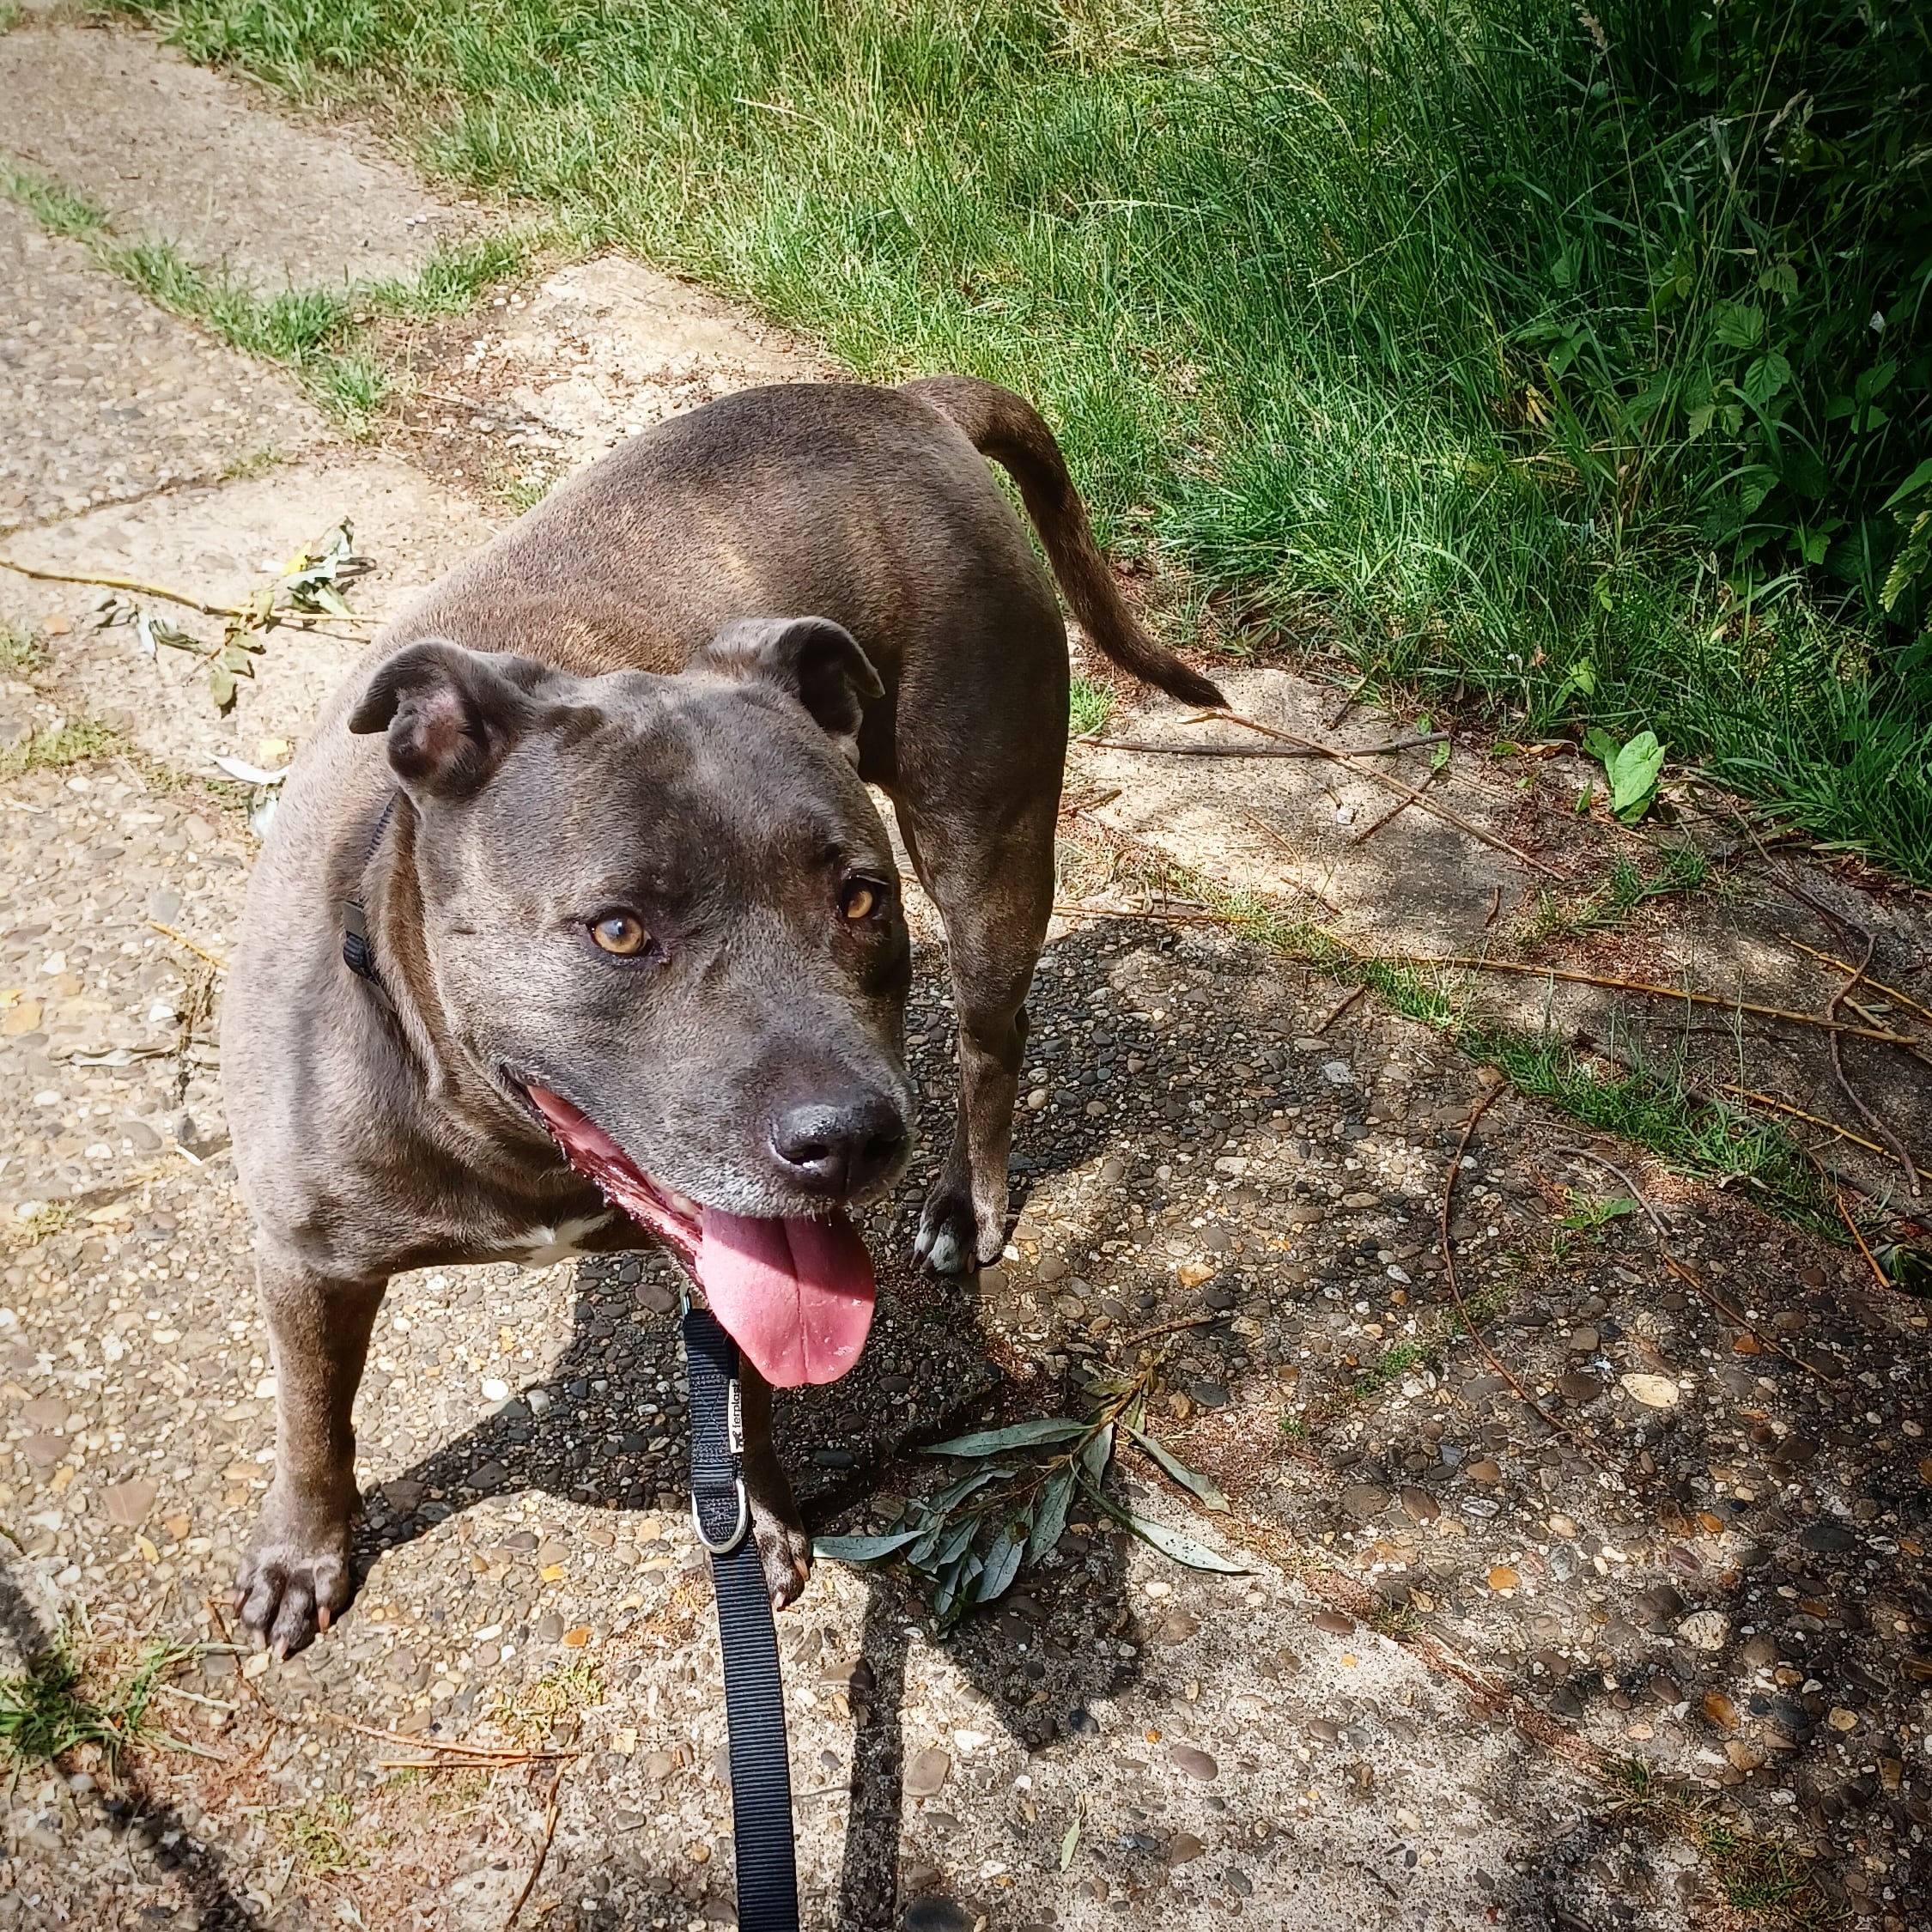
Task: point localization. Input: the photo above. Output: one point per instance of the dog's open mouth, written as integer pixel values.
(795, 1293)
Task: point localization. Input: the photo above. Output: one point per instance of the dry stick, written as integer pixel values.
(1455, 1287)
(1815, 1120)
(1335, 1012)
(1312, 750)
(1276, 835)
(1688, 1276)
(1347, 759)
(1394, 811)
(215, 960)
(181, 597)
(1495, 907)
(1881, 1128)
(542, 1850)
(1169, 1328)
(1470, 963)
(127, 584)
(1879, 1274)
(1845, 966)
(1348, 703)
(505, 1753)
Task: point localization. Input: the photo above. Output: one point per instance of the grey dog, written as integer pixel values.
(591, 825)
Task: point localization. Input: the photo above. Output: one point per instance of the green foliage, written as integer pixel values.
(971, 1538)
(20, 651)
(1089, 706)
(71, 743)
(1488, 340)
(57, 1702)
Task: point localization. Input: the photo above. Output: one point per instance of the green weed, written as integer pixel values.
(1685, 869)
(1089, 706)
(1390, 1366)
(1756, 1876)
(527, 491)
(21, 652)
(65, 744)
(53, 1705)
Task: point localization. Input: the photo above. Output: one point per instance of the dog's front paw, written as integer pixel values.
(784, 1550)
(294, 1579)
(954, 1237)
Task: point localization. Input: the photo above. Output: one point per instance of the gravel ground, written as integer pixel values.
(1697, 1548)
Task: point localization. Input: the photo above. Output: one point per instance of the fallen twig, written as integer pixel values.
(137, 587)
(1335, 1012)
(1471, 962)
(1170, 1327)
(132, 584)
(1469, 1324)
(1305, 748)
(1883, 1128)
(1687, 1275)
(489, 1753)
(1871, 1260)
(214, 959)
(1845, 966)
(1151, 912)
(1814, 1119)
(543, 1851)
(1430, 806)
(1495, 907)
(1395, 810)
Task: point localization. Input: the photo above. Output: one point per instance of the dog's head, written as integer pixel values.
(662, 913)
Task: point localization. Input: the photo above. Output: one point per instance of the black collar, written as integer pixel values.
(358, 953)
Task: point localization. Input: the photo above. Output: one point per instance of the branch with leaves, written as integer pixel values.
(971, 1538)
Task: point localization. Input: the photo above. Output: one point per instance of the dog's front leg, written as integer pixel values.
(783, 1546)
(295, 1574)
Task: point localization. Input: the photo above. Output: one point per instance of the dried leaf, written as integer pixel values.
(1069, 1843)
(220, 686)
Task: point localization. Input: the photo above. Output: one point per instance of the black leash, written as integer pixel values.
(768, 1877)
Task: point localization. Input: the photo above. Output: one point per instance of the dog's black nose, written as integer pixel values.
(836, 1148)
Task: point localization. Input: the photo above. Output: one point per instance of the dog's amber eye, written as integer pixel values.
(620, 934)
(860, 899)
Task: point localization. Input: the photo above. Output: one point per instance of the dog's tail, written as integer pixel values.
(1011, 432)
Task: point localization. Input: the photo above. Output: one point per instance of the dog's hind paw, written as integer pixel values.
(294, 1579)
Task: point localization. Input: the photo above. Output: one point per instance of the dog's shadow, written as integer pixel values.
(603, 1439)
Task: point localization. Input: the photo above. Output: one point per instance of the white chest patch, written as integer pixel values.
(543, 1246)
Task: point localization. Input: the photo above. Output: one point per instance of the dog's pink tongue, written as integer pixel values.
(795, 1295)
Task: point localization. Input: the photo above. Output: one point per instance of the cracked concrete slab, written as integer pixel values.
(218, 544)
(547, 378)
(110, 399)
(175, 152)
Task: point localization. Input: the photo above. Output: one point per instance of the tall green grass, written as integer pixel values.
(1441, 333)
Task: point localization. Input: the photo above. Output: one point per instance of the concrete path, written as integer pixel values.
(1460, 1619)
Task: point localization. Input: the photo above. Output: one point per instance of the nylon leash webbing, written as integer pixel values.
(767, 1878)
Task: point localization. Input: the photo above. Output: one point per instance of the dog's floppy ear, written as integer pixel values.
(452, 715)
(810, 659)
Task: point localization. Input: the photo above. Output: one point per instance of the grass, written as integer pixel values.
(1685, 869)
(1282, 279)
(21, 652)
(58, 1702)
(1647, 1105)
(71, 742)
(324, 335)
(1089, 706)
(1757, 1875)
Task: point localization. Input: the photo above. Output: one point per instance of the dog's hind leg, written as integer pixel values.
(995, 894)
(294, 1575)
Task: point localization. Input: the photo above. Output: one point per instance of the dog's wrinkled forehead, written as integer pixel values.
(741, 766)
